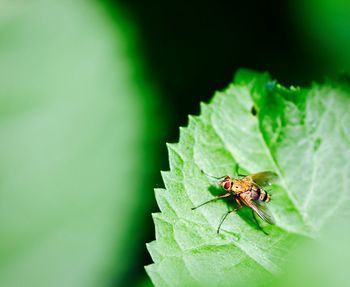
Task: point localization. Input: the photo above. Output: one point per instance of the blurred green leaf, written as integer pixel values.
(327, 26)
(301, 134)
(72, 125)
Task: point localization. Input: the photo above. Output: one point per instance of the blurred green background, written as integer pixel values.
(89, 93)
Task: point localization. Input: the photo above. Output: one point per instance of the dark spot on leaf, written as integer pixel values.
(253, 111)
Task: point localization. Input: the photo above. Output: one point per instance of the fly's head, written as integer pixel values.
(226, 183)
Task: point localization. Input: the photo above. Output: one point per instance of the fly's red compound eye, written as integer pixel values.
(227, 185)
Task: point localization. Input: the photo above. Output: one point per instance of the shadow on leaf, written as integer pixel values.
(245, 213)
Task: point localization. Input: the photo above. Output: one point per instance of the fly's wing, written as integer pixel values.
(264, 178)
(261, 209)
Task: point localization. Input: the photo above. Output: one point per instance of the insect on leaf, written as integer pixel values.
(302, 135)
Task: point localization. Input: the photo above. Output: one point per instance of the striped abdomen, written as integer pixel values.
(259, 194)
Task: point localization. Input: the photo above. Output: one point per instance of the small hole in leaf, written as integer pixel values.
(253, 111)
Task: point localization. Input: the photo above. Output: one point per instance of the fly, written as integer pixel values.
(249, 191)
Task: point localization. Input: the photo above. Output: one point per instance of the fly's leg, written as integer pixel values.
(213, 199)
(227, 213)
(257, 223)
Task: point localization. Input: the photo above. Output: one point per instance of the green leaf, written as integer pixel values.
(72, 125)
(301, 134)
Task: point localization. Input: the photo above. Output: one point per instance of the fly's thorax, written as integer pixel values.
(240, 186)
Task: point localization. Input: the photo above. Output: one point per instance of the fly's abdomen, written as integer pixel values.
(259, 194)
(264, 196)
(255, 193)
